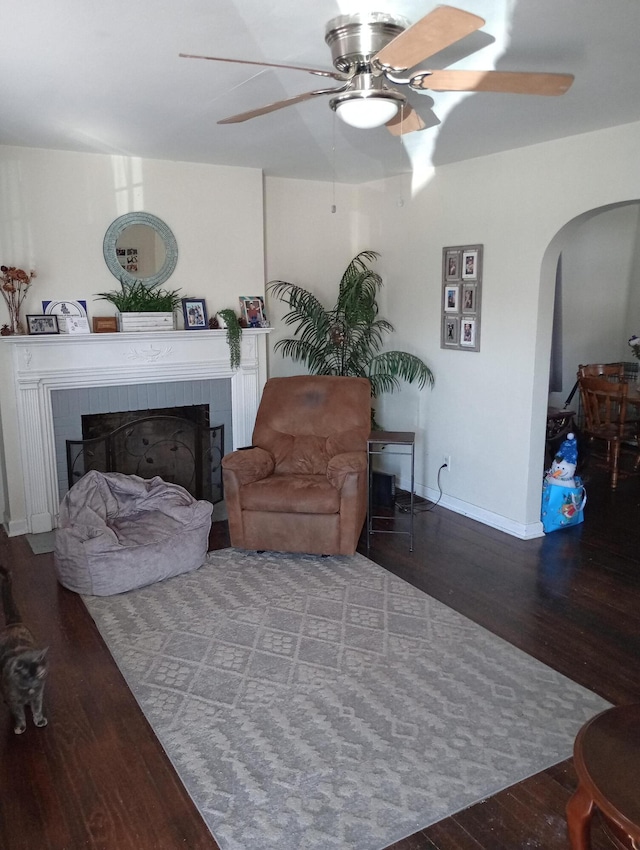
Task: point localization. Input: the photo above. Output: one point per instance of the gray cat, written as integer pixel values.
(23, 667)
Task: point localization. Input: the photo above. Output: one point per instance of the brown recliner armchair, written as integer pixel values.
(302, 486)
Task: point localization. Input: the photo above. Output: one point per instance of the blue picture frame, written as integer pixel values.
(194, 311)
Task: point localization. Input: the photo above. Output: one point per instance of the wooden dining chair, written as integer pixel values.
(604, 406)
(610, 371)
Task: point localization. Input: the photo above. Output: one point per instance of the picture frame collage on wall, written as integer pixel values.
(461, 297)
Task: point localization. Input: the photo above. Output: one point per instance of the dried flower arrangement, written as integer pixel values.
(14, 285)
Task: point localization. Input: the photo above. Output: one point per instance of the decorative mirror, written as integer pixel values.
(140, 246)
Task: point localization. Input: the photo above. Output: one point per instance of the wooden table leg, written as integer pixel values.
(579, 812)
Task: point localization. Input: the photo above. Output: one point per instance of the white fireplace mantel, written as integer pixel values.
(32, 367)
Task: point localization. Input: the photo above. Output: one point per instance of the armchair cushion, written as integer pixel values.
(301, 454)
(298, 494)
(340, 465)
(250, 464)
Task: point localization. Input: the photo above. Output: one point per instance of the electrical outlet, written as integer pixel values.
(446, 460)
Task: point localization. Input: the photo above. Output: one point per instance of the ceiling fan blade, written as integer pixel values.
(279, 104)
(510, 82)
(316, 71)
(407, 120)
(410, 122)
(437, 30)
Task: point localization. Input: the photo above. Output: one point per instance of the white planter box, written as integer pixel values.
(130, 322)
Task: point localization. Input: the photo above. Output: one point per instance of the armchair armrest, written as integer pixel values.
(341, 465)
(249, 465)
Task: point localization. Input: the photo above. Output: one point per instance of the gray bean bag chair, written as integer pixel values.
(117, 532)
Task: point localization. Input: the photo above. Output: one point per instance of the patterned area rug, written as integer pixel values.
(322, 703)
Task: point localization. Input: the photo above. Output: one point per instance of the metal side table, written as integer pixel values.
(405, 442)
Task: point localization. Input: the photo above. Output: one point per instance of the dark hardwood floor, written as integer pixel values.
(97, 778)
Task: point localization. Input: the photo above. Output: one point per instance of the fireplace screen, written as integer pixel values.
(178, 449)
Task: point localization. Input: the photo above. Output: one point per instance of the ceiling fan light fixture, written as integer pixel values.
(366, 110)
(367, 113)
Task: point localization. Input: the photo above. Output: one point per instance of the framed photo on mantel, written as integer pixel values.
(194, 311)
(461, 288)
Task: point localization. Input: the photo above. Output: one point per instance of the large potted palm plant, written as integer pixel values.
(346, 339)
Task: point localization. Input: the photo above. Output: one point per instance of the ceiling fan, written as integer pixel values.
(372, 50)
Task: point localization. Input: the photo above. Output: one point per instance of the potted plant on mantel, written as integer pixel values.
(143, 308)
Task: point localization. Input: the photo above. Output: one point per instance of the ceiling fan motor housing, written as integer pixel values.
(367, 86)
(355, 39)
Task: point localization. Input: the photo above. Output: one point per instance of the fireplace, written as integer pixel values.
(33, 369)
(75, 409)
(176, 444)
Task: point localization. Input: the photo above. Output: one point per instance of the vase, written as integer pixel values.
(15, 323)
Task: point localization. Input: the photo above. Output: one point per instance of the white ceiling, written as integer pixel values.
(106, 78)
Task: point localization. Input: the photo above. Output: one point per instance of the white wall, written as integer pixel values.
(55, 208)
(310, 245)
(488, 409)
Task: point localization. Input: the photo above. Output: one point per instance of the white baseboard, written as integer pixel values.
(524, 531)
(15, 528)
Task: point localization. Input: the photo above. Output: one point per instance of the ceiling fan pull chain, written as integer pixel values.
(400, 201)
(333, 164)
